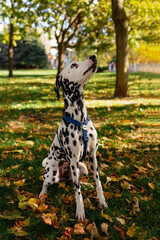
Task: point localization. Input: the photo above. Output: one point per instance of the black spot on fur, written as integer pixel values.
(74, 142)
(72, 167)
(91, 135)
(91, 159)
(74, 173)
(53, 179)
(54, 173)
(77, 185)
(92, 168)
(72, 135)
(76, 111)
(67, 140)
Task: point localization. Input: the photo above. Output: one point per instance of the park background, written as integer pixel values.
(39, 38)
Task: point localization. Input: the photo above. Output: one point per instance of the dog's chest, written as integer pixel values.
(71, 138)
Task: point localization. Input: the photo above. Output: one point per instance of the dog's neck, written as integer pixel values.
(74, 106)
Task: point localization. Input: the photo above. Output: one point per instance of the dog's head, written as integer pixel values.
(76, 75)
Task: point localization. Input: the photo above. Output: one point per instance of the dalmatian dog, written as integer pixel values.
(67, 149)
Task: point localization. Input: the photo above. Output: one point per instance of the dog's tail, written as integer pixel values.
(44, 162)
(83, 169)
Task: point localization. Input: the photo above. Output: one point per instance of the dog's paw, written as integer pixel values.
(103, 205)
(80, 216)
(44, 191)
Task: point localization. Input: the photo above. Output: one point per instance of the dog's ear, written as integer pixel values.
(57, 86)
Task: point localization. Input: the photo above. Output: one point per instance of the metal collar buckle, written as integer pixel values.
(84, 127)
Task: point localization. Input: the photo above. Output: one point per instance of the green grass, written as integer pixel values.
(128, 157)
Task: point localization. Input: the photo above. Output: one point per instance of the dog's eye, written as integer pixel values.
(74, 65)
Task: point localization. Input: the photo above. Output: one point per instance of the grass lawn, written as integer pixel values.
(128, 157)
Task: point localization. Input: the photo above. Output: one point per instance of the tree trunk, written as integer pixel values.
(10, 51)
(60, 58)
(121, 28)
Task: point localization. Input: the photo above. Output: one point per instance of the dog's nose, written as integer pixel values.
(93, 58)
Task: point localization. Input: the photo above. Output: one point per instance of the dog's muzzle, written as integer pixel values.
(93, 67)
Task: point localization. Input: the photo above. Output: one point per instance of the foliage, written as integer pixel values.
(128, 158)
(21, 15)
(28, 53)
(146, 53)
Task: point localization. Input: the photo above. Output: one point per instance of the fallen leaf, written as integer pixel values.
(124, 177)
(104, 228)
(24, 223)
(33, 203)
(51, 219)
(115, 178)
(131, 230)
(92, 229)
(79, 229)
(11, 215)
(67, 235)
(88, 204)
(42, 208)
(135, 205)
(121, 220)
(121, 231)
(106, 216)
(125, 185)
(19, 183)
(62, 184)
(18, 232)
(151, 185)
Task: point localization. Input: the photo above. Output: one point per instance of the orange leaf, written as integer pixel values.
(42, 208)
(121, 231)
(151, 185)
(19, 183)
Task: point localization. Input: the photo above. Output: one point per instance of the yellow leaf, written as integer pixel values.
(151, 185)
(88, 204)
(33, 203)
(30, 168)
(18, 232)
(125, 185)
(24, 223)
(19, 183)
(106, 216)
(41, 178)
(62, 184)
(115, 179)
(124, 177)
(131, 230)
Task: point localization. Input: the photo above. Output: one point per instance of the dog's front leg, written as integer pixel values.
(80, 214)
(94, 168)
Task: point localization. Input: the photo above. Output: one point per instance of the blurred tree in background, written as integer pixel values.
(17, 16)
(28, 53)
